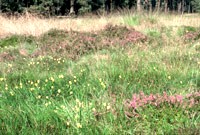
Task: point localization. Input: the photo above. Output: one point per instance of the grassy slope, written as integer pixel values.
(55, 94)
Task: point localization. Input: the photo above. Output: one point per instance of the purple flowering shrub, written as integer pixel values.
(141, 101)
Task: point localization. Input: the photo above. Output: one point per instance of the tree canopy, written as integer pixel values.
(66, 7)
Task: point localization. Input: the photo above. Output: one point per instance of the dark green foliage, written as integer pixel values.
(196, 5)
(14, 40)
(62, 7)
(95, 4)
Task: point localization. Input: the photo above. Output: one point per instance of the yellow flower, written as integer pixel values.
(70, 82)
(93, 109)
(55, 111)
(103, 85)
(46, 104)
(9, 65)
(71, 92)
(78, 125)
(120, 76)
(108, 107)
(61, 76)
(62, 106)
(36, 84)
(67, 123)
(52, 79)
(11, 93)
(59, 91)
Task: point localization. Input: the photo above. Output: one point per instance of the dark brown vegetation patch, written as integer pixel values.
(73, 44)
(5, 56)
(192, 36)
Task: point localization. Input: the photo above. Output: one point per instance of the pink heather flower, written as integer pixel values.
(135, 98)
(151, 97)
(179, 98)
(165, 96)
(133, 104)
(191, 102)
(197, 94)
(134, 101)
(172, 99)
(189, 95)
(140, 100)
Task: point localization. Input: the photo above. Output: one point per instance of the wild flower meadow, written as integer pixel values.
(118, 80)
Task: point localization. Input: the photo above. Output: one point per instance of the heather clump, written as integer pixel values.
(192, 36)
(74, 44)
(142, 101)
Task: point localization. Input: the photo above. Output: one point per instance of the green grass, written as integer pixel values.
(56, 94)
(133, 20)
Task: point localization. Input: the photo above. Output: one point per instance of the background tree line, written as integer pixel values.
(65, 7)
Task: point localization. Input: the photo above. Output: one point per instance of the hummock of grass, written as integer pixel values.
(114, 80)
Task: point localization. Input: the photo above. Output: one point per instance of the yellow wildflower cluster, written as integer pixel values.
(52, 79)
(102, 83)
(12, 93)
(6, 87)
(39, 96)
(59, 60)
(107, 106)
(31, 63)
(78, 125)
(41, 57)
(61, 76)
(47, 104)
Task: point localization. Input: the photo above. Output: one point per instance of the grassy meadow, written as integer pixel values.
(121, 74)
